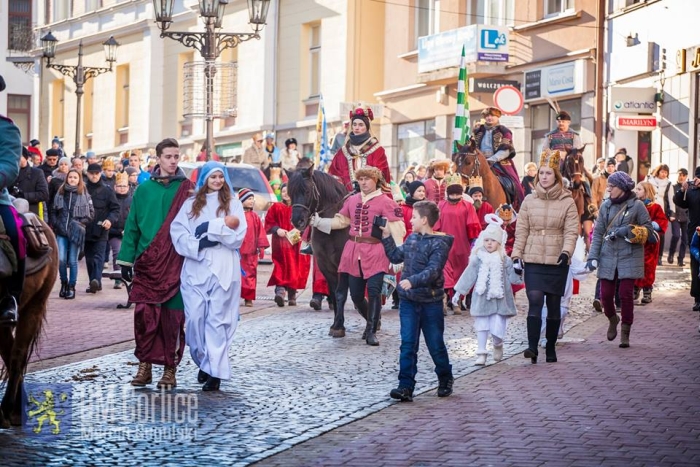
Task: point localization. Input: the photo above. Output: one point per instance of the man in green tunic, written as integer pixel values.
(148, 258)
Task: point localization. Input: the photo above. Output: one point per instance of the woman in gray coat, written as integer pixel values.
(617, 251)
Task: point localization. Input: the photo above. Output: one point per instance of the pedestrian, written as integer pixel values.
(563, 138)
(421, 291)
(436, 185)
(116, 231)
(255, 155)
(528, 181)
(35, 149)
(679, 224)
(617, 251)
(290, 269)
(624, 161)
(290, 156)
(663, 187)
(71, 211)
(363, 262)
(147, 250)
(271, 149)
(253, 247)
(133, 175)
(50, 163)
(483, 207)
(599, 166)
(599, 185)
(458, 218)
(646, 193)
(545, 238)
(107, 211)
(108, 173)
(360, 149)
(491, 274)
(421, 172)
(408, 178)
(208, 231)
(31, 185)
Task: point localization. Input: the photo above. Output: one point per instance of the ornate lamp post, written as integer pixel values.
(211, 42)
(79, 73)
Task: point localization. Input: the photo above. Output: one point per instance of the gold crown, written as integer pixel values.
(550, 159)
(453, 179)
(476, 181)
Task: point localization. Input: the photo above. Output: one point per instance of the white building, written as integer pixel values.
(653, 82)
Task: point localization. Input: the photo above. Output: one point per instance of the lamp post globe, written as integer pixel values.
(163, 10)
(48, 45)
(110, 46)
(257, 12)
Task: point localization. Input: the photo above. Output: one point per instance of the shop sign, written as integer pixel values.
(490, 85)
(632, 100)
(635, 122)
(533, 84)
(481, 43)
(555, 81)
(688, 59)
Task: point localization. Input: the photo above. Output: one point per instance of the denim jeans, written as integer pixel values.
(428, 318)
(67, 256)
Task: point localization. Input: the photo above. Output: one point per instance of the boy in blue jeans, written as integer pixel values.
(421, 294)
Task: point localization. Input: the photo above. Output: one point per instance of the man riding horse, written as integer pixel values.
(495, 141)
(10, 153)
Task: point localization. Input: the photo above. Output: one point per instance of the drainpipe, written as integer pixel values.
(601, 137)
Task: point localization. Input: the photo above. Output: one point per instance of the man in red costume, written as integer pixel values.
(148, 258)
(360, 149)
(290, 269)
(435, 185)
(482, 206)
(457, 218)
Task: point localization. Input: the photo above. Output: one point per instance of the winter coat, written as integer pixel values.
(481, 306)
(681, 213)
(689, 200)
(695, 247)
(60, 220)
(618, 254)
(548, 224)
(598, 188)
(117, 228)
(423, 258)
(31, 185)
(664, 194)
(10, 152)
(106, 207)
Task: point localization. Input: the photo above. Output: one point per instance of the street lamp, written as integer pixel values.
(79, 73)
(211, 43)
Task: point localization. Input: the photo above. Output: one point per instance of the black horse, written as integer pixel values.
(316, 192)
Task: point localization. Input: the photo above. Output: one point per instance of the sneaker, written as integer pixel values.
(597, 306)
(402, 394)
(306, 249)
(498, 353)
(445, 387)
(117, 284)
(480, 360)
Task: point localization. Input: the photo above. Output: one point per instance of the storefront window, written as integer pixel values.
(416, 143)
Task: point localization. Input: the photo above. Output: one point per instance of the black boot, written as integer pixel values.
(202, 376)
(292, 297)
(9, 305)
(64, 289)
(316, 301)
(375, 308)
(70, 292)
(534, 325)
(551, 333)
(279, 296)
(212, 384)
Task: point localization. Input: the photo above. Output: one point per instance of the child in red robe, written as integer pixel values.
(253, 247)
(647, 194)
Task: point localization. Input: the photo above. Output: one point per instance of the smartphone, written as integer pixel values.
(378, 222)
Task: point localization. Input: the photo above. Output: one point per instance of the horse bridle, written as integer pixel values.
(315, 198)
(460, 162)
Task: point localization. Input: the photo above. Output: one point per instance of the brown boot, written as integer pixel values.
(143, 375)
(612, 328)
(625, 335)
(168, 380)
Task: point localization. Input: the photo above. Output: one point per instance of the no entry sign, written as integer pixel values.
(509, 99)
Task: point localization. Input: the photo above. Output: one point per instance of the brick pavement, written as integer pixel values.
(599, 405)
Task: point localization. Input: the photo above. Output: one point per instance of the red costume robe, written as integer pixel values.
(290, 268)
(651, 250)
(407, 214)
(460, 221)
(435, 190)
(254, 242)
(485, 208)
(370, 153)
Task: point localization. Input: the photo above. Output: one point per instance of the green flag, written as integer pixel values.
(461, 130)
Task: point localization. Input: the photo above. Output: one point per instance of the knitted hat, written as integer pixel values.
(413, 186)
(34, 142)
(63, 160)
(475, 189)
(454, 189)
(244, 194)
(131, 171)
(55, 140)
(493, 232)
(621, 180)
(369, 171)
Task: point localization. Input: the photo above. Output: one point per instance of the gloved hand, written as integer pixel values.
(455, 299)
(201, 230)
(655, 226)
(623, 232)
(127, 273)
(206, 243)
(563, 259)
(592, 265)
(518, 266)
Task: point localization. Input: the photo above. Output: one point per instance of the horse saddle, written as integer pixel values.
(32, 265)
(507, 184)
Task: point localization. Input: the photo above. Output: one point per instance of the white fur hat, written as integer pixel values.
(493, 230)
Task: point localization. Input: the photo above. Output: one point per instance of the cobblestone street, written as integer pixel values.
(292, 383)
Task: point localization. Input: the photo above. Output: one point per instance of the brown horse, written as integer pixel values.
(17, 349)
(471, 162)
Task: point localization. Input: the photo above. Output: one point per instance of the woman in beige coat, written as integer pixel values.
(545, 238)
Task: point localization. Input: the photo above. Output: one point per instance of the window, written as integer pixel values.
(122, 105)
(61, 10)
(19, 110)
(416, 142)
(556, 7)
(494, 12)
(427, 18)
(92, 5)
(315, 61)
(19, 29)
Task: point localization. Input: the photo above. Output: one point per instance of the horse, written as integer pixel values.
(17, 349)
(470, 163)
(574, 169)
(316, 192)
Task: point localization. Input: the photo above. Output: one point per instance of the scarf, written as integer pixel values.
(81, 206)
(410, 201)
(357, 140)
(621, 199)
(490, 277)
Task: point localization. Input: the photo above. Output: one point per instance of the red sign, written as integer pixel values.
(636, 123)
(509, 99)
